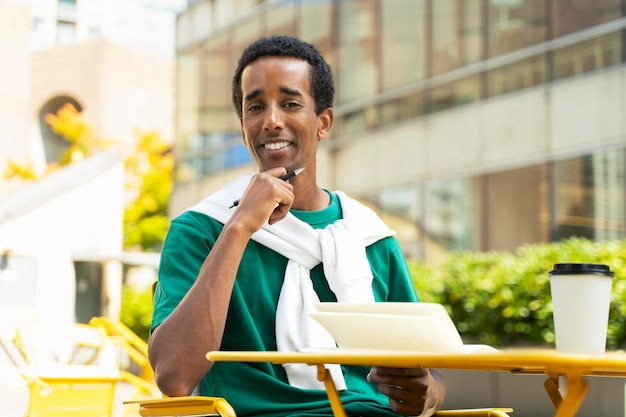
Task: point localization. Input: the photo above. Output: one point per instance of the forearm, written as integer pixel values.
(178, 346)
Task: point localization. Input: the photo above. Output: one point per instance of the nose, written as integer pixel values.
(273, 118)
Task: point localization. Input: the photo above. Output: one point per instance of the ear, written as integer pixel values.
(324, 123)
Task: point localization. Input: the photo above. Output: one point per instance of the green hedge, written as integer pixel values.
(501, 298)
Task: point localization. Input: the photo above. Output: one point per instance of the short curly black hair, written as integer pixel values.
(321, 75)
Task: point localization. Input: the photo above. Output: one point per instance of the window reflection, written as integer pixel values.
(281, 20)
(588, 195)
(315, 26)
(455, 94)
(517, 207)
(515, 24)
(404, 108)
(401, 210)
(573, 15)
(457, 36)
(404, 42)
(358, 70)
(242, 36)
(215, 97)
(451, 216)
(517, 76)
(360, 120)
(588, 56)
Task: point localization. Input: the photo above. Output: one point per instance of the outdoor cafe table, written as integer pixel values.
(571, 367)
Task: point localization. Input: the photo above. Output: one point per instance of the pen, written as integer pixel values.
(285, 177)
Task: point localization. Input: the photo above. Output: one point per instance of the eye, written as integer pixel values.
(292, 104)
(254, 107)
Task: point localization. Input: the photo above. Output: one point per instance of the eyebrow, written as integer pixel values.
(284, 90)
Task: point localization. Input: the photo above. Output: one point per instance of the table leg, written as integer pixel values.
(576, 390)
(552, 387)
(323, 375)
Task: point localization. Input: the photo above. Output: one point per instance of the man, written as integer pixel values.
(243, 276)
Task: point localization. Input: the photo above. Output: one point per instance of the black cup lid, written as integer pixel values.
(581, 269)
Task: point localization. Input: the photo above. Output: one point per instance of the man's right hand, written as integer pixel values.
(266, 199)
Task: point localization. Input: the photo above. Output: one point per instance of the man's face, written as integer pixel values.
(279, 124)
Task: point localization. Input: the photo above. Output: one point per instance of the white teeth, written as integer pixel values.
(274, 146)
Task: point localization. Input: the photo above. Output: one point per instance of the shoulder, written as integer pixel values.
(191, 226)
(191, 218)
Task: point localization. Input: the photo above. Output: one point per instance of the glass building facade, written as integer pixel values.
(484, 124)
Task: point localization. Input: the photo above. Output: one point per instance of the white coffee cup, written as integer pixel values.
(581, 296)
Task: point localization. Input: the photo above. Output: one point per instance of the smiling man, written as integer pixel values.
(245, 277)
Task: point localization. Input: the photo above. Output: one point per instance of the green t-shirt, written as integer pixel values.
(261, 389)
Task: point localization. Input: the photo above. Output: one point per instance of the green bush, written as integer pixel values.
(136, 310)
(501, 298)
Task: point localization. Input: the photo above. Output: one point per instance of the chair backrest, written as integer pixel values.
(71, 391)
(128, 342)
(64, 344)
(11, 320)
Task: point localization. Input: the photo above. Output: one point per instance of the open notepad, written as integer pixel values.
(423, 327)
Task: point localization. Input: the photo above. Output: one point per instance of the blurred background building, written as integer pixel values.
(468, 124)
(61, 252)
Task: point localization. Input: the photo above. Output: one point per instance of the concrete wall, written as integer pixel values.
(120, 89)
(14, 85)
(70, 213)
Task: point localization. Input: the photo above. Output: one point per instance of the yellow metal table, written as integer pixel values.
(572, 367)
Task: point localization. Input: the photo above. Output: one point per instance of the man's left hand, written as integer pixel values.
(411, 391)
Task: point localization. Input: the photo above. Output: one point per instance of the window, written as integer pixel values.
(401, 209)
(457, 37)
(66, 32)
(316, 27)
(515, 24)
(358, 66)
(281, 20)
(514, 77)
(451, 216)
(517, 208)
(53, 143)
(404, 108)
(588, 196)
(455, 94)
(403, 42)
(89, 280)
(588, 56)
(573, 15)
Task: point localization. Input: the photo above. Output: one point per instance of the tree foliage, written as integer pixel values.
(149, 182)
(70, 124)
(502, 298)
(148, 175)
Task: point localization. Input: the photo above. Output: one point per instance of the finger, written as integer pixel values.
(405, 408)
(377, 373)
(404, 401)
(281, 210)
(402, 394)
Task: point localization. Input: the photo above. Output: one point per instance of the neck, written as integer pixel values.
(313, 199)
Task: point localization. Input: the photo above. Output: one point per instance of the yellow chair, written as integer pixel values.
(194, 406)
(70, 391)
(72, 371)
(127, 341)
(185, 406)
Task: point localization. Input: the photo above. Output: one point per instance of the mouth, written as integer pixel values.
(274, 146)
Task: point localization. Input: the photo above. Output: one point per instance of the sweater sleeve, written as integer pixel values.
(189, 241)
(392, 278)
